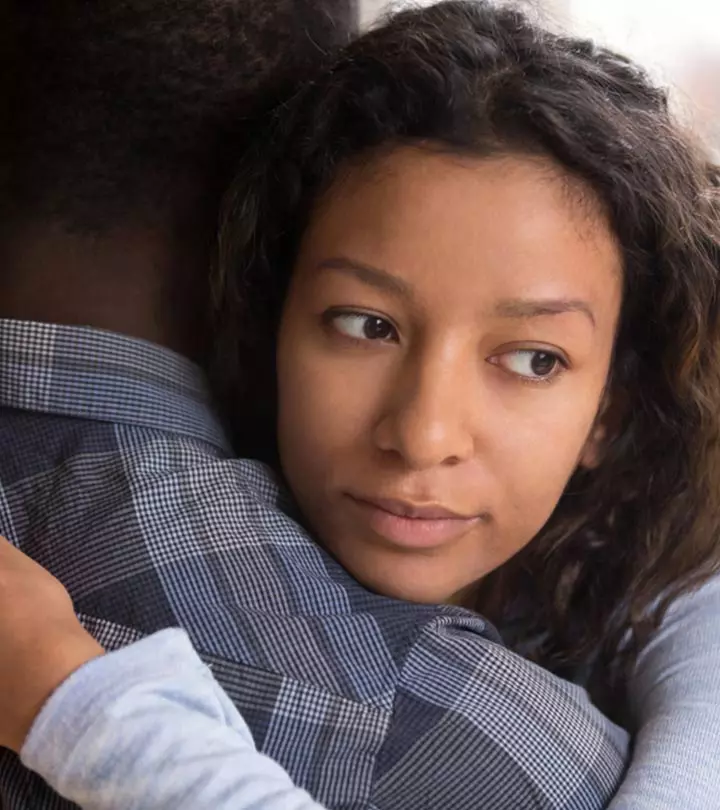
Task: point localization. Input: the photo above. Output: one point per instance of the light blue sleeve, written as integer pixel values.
(149, 728)
(675, 696)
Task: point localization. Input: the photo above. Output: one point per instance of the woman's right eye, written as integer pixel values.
(362, 326)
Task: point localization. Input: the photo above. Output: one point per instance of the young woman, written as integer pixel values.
(487, 260)
(475, 265)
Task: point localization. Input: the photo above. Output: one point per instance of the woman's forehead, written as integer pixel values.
(499, 228)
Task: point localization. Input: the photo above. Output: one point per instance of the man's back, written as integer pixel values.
(115, 476)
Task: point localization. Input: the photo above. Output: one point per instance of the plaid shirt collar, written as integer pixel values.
(88, 373)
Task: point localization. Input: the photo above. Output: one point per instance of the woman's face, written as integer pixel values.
(442, 360)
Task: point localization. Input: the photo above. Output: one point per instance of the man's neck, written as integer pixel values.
(131, 280)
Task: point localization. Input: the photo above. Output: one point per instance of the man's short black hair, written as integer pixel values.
(120, 108)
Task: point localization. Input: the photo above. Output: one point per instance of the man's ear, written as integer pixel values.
(607, 425)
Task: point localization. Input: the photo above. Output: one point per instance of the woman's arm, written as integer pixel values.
(149, 727)
(675, 696)
(145, 727)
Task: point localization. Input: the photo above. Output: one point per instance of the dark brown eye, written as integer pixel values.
(361, 326)
(543, 363)
(377, 329)
(530, 364)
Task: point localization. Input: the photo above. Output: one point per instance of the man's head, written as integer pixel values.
(126, 109)
(120, 122)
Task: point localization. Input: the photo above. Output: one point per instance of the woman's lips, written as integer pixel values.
(411, 526)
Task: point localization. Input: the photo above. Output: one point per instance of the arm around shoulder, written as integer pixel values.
(149, 727)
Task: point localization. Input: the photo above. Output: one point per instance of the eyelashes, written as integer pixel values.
(362, 326)
(532, 365)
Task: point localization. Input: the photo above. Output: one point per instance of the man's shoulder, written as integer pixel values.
(150, 529)
(474, 725)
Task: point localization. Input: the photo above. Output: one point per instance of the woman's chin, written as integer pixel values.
(430, 589)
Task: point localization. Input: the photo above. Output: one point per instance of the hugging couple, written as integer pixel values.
(388, 491)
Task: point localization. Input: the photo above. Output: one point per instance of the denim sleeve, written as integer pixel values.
(149, 727)
(675, 697)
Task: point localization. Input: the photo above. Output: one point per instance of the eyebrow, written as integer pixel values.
(521, 308)
(368, 274)
(536, 308)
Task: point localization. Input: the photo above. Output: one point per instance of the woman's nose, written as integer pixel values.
(427, 417)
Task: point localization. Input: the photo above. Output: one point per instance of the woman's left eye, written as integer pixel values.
(533, 365)
(363, 326)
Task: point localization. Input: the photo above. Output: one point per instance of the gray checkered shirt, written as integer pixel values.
(116, 477)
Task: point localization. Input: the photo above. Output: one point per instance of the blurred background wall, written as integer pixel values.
(677, 40)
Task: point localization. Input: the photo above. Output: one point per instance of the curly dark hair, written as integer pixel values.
(117, 107)
(470, 78)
